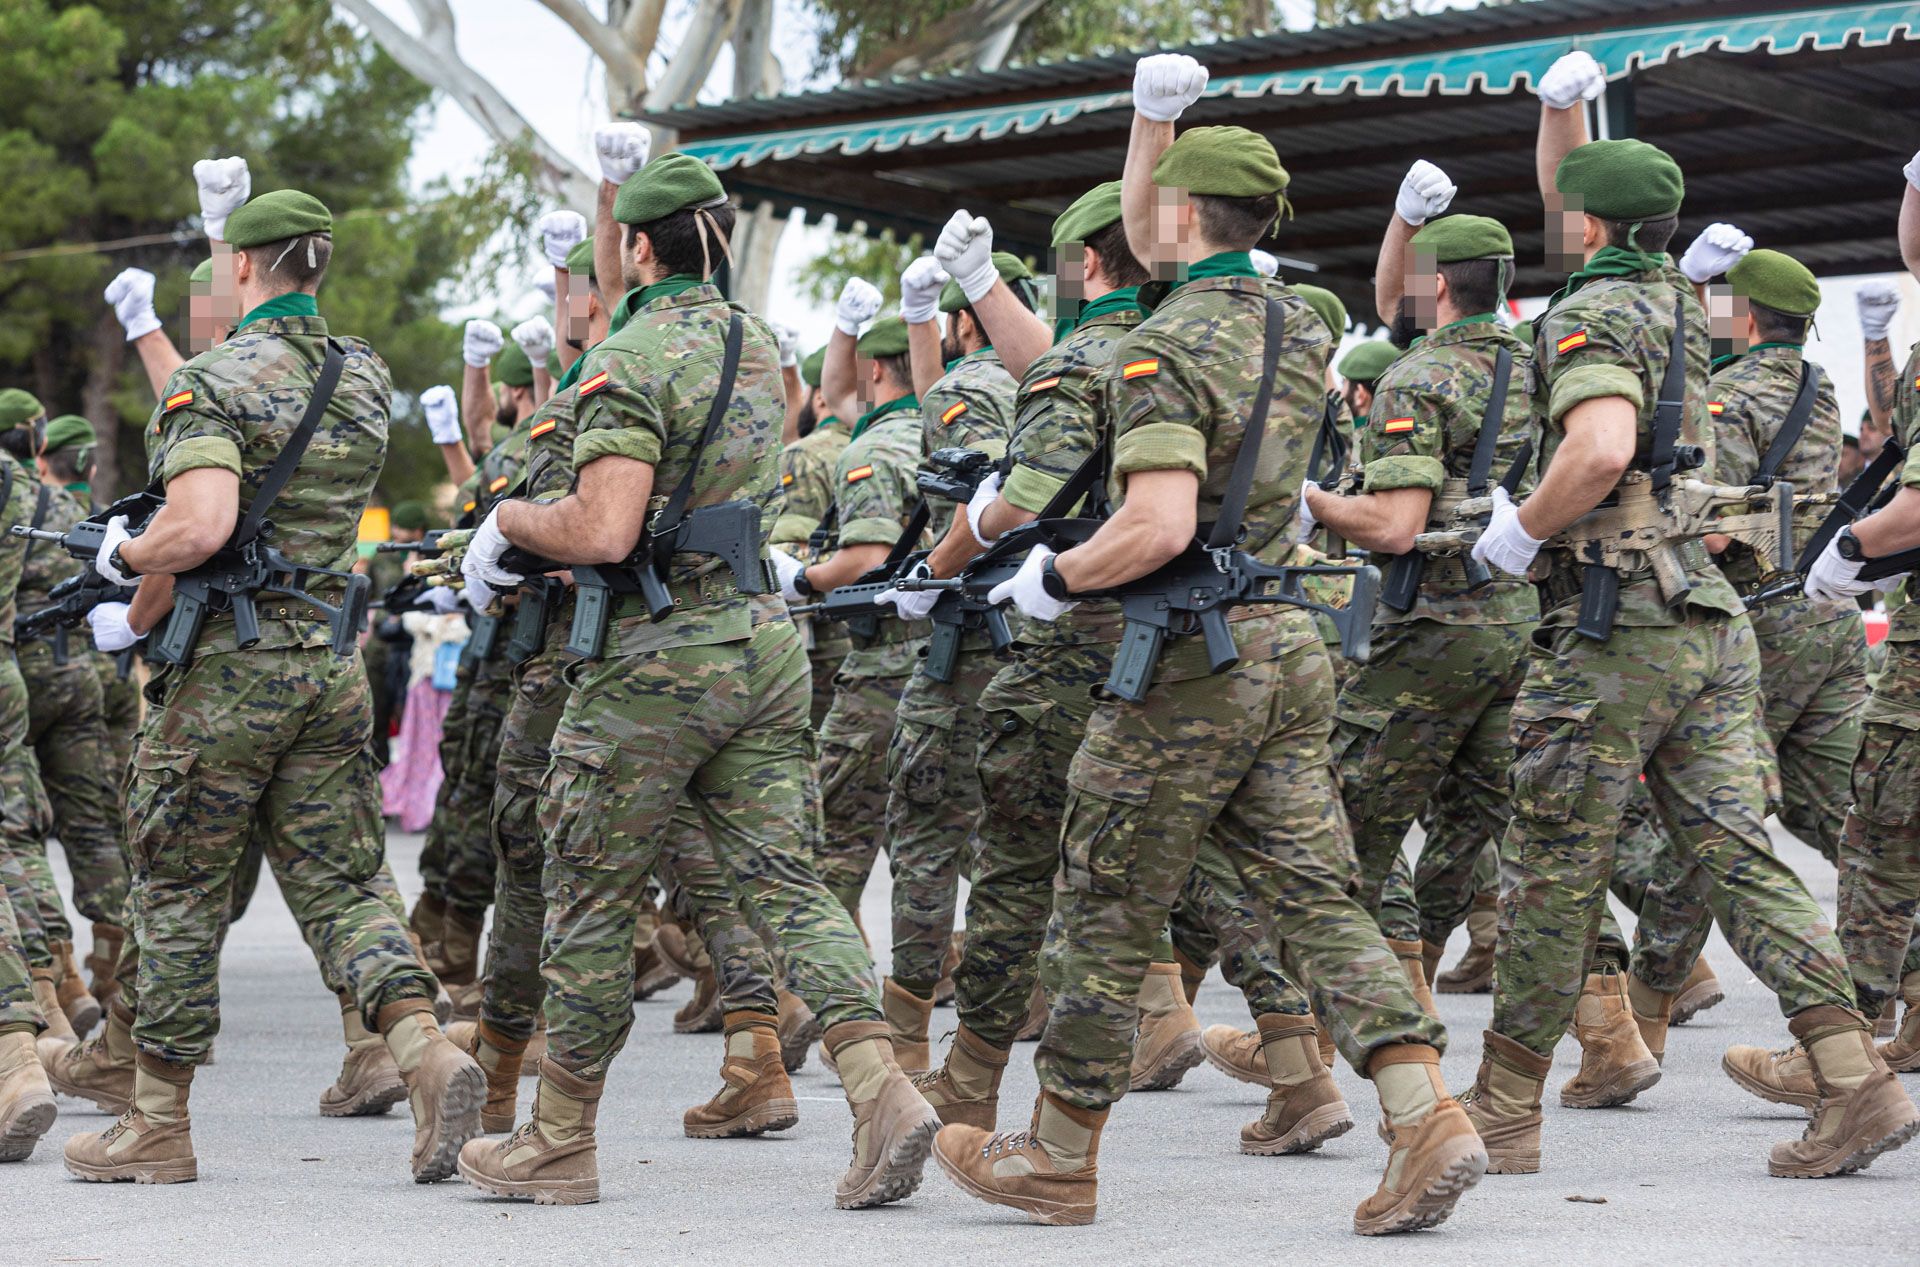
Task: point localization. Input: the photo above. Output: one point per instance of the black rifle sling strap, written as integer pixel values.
(661, 531)
(296, 447)
(1854, 501)
(1794, 427)
(1092, 469)
(1488, 440)
(1329, 455)
(1670, 408)
(1233, 503)
(41, 500)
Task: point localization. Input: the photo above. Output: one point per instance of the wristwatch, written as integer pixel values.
(1846, 545)
(1051, 581)
(119, 563)
(801, 585)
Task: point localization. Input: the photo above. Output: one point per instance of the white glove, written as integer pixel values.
(1832, 578)
(1878, 302)
(1912, 170)
(859, 304)
(116, 536)
(546, 287)
(482, 343)
(911, 604)
(786, 569)
(131, 295)
(482, 560)
(443, 415)
(1505, 544)
(965, 250)
(1265, 263)
(984, 496)
(225, 184)
(111, 632)
(920, 287)
(444, 599)
(1574, 78)
(1718, 248)
(478, 595)
(535, 337)
(623, 149)
(1166, 84)
(560, 232)
(789, 340)
(1425, 192)
(1029, 596)
(1304, 522)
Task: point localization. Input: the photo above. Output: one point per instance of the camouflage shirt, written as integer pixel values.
(970, 407)
(1612, 337)
(807, 468)
(875, 490)
(46, 565)
(1421, 432)
(1904, 625)
(550, 438)
(18, 509)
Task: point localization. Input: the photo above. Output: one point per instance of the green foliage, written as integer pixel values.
(878, 259)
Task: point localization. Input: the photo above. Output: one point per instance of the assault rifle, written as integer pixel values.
(69, 603)
(84, 539)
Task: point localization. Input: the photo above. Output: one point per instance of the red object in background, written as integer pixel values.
(1876, 627)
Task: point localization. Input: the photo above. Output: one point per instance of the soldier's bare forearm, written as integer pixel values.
(1017, 334)
(1561, 133)
(1910, 230)
(1389, 280)
(1892, 529)
(599, 522)
(839, 376)
(607, 234)
(955, 548)
(1147, 142)
(151, 602)
(159, 358)
(1881, 382)
(1596, 452)
(845, 566)
(1155, 523)
(923, 352)
(1386, 522)
(476, 408)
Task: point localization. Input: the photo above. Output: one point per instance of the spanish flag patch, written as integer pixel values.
(859, 473)
(785, 480)
(1716, 407)
(1578, 339)
(542, 428)
(1140, 369)
(497, 484)
(1396, 426)
(1045, 384)
(953, 411)
(593, 384)
(178, 399)
(469, 506)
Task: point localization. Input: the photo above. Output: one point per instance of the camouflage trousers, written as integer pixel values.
(456, 862)
(724, 728)
(854, 741)
(1677, 702)
(1235, 761)
(827, 646)
(273, 741)
(1214, 921)
(19, 1014)
(25, 820)
(120, 698)
(933, 807)
(1880, 853)
(1457, 864)
(67, 727)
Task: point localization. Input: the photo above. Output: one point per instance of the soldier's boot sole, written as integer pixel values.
(899, 1176)
(369, 1101)
(657, 978)
(24, 1122)
(771, 1115)
(460, 1103)
(538, 1191)
(1886, 1133)
(1037, 1209)
(1172, 1065)
(1691, 1002)
(1329, 1121)
(1431, 1204)
(172, 1170)
(1771, 1094)
(1626, 1083)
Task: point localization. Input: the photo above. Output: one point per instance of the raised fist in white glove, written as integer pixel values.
(1505, 544)
(859, 304)
(920, 287)
(623, 149)
(1164, 84)
(481, 344)
(789, 340)
(131, 295)
(965, 250)
(535, 337)
(1718, 248)
(985, 495)
(224, 184)
(1574, 78)
(546, 287)
(442, 412)
(1028, 591)
(111, 632)
(1265, 263)
(786, 570)
(1879, 303)
(560, 232)
(1425, 192)
(911, 604)
(482, 560)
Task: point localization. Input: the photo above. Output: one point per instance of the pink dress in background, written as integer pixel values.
(411, 780)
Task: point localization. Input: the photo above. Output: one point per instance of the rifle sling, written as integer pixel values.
(296, 447)
(665, 524)
(1853, 502)
(1668, 409)
(1233, 504)
(1794, 427)
(1488, 440)
(41, 500)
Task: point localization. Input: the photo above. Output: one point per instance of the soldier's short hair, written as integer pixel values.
(1774, 326)
(1652, 236)
(1235, 223)
(1117, 262)
(683, 242)
(70, 465)
(897, 369)
(1474, 284)
(299, 262)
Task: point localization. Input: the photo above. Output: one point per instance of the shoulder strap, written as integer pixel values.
(668, 520)
(1488, 440)
(1092, 470)
(1233, 505)
(296, 447)
(1671, 407)
(42, 499)
(1794, 427)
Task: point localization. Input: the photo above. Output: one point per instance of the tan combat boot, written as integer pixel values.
(369, 1083)
(755, 1097)
(536, 1049)
(651, 973)
(798, 1029)
(1411, 955)
(1784, 1076)
(1430, 961)
(1505, 1104)
(428, 923)
(502, 1059)
(1434, 1154)
(82, 1009)
(552, 1158)
(1049, 1171)
(702, 1013)
(1700, 991)
(100, 1069)
(1168, 1043)
(965, 1091)
(1192, 975)
(1615, 1065)
(460, 951)
(908, 1017)
(103, 961)
(445, 1086)
(1863, 1110)
(1652, 1012)
(1038, 1009)
(1323, 1037)
(1902, 1052)
(59, 1034)
(680, 953)
(1236, 1053)
(1305, 1109)
(152, 1142)
(1889, 1023)
(893, 1125)
(26, 1101)
(943, 988)
(1474, 973)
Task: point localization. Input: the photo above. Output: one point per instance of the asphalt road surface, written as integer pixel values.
(1677, 1177)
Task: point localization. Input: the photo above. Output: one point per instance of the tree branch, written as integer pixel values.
(958, 37)
(708, 33)
(615, 54)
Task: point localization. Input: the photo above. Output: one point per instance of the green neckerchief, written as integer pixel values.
(1476, 319)
(831, 420)
(80, 487)
(1225, 264)
(1610, 261)
(1113, 301)
(867, 419)
(1731, 357)
(293, 304)
(640, 296)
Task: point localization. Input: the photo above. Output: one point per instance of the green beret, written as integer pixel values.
(664, 186)
(410, 515)
(1326, 305)
(1451, 239)
(202, 272)
(1228, 162)
(1523, 331)
(274, 217)
(1776, 281)
(580, 258)
(886, 337)
(18, 407)
(1622, 180)
(1011, 269)
(512, 366)
(1090, 213)
(810, 367)
(69, 431)
(1367, 361)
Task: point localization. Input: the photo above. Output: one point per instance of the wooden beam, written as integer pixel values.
(1771, 92)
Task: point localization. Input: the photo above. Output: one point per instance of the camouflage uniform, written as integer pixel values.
(275, 735)
(807, 468)
(120, 697)
(25, 816)
(1672, 693)
(706, 709)
(1234, 761)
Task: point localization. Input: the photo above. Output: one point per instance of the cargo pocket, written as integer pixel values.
(574, 801)
(1360, 755)
(922, 747)
(1553, 748)
(1016, 773)
(160, 810)
(1106, 802)
(1884, 776)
